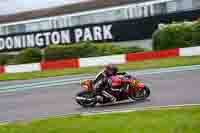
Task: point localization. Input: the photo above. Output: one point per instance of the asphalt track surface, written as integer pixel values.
(173, 88)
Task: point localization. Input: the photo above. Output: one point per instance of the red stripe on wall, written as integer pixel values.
(2, 70)
(152, 55)
(60, 64)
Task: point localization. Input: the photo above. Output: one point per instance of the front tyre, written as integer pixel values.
(86, 99)
(141, 95)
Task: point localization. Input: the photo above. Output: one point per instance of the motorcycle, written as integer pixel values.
(135, 90)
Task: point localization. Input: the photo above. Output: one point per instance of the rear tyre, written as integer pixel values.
(86, 99)
(141, 95)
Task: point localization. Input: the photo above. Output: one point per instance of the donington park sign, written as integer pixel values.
(126, 30)
(64, 36)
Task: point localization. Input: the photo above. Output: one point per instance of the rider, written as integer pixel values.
(103, 81)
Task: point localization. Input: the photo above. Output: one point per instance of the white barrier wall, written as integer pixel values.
(104, 60)
(23, 68)
(192, 51)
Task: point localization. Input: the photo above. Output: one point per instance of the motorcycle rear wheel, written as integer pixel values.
(141, 95)
(88, 99)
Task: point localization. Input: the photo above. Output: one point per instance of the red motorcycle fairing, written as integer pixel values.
(116, 81)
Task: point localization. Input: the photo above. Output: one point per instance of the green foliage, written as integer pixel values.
(54, 52)
(177, 35)
(29, 55)
(4, 58)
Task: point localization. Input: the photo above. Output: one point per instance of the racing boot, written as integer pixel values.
(99, 98)
(106, 94)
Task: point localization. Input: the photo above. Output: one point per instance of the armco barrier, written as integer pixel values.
(152, 55)
(2, 69)
(98, 61)
(23, 68)
(192, 51)
(60, 64)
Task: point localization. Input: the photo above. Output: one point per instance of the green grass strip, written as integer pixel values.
(179, 120)
(160, 63)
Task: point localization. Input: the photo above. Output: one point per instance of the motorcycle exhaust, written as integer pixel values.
(86, 99)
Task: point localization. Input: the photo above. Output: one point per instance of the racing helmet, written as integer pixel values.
(111, 69)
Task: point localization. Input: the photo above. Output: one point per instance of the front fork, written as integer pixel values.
(133, 88)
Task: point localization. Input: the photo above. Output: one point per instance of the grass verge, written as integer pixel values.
(160, 63)
(179, 120)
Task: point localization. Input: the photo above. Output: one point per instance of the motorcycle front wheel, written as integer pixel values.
(86, 99)
(141, 95)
